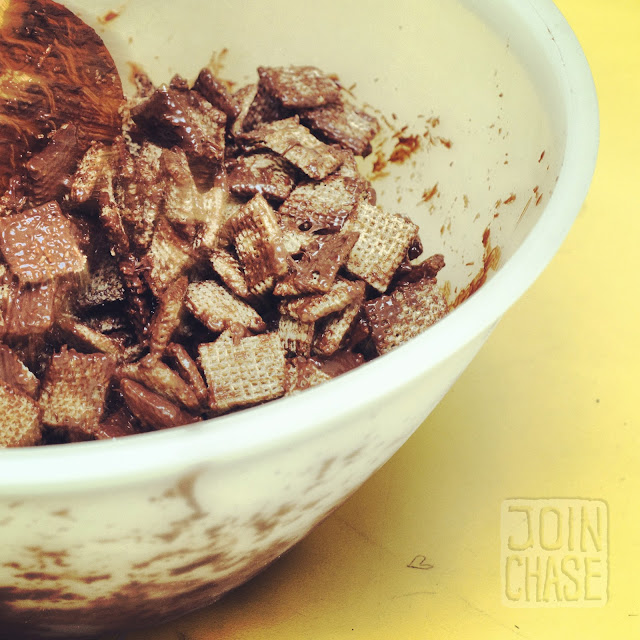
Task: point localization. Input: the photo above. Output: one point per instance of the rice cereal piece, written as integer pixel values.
(152, 409)
(86, 338)
(264, 173)
(217, 309)
(91, 172)
(39, 244)
(15, 373)
(383, 243)
(258, 242)
(183, 118)
(317, 269)
(302, 373)
(313, 307)
(245, 372)
(264, 108)
(296, 335)
(169, 257)
(299, 87)
(20, 418)
(244, 97)
(104, 286)
(217, 207)
(295, 143)
(182, 204)
(166, 317)
(330, 337)
(50, 169)
(404, 313)
(343, 124)
(323, 205)
(74, 388)
(30, 309)
(189, 371)
(116, 425)
(217, 93)
(230, 271)
(139, 190)
(161, 379)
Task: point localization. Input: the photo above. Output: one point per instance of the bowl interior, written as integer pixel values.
(481, 91)
(488, 154)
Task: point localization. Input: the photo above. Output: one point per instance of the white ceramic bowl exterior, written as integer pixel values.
(114, 534)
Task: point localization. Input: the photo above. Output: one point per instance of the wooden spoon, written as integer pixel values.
(54, 69)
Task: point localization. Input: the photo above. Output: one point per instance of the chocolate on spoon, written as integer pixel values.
(54, 71)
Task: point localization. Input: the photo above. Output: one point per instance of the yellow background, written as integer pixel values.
(547, 409)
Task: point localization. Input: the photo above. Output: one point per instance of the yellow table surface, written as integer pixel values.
(547, 410)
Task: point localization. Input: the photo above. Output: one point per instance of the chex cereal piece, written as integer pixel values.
(313, 307)
(185, 119)
(230, 272)
(217, 93)
(296, 335)
(91, 171)
(299, 87)
(183, 204)
(217, 309)
(166, 317)
(244, 97)
(152, 409)
(109, 321)
(382, 245)
(159, 378)
(116, 425)
(298, 145)
(50, 170)
(323, 205)
(343, 124)
(104, 286)
(264, 173)
(257, 238)
(403, 314)
(20, 423)
(88, 339)
(264, 108)
(294, 239)
(74, 388)
(189, 371)
(317, 269)
(30, 309)
(243, 373)
(340, 362)
(303, 373)
(39, 245)
(217, 207)
(15, 373)
(139, 190)
(169, 257)
(331, 335)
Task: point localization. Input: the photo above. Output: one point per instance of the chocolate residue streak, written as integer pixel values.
(542, 156)
(109, 16)
(405, 148)
(490, 260)
(510, 199)
(379, 165)
(216, 63)
(427, 195)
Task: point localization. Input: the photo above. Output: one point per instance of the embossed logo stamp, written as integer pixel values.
(554, 552)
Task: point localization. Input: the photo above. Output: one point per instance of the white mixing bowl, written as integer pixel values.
(104, 535)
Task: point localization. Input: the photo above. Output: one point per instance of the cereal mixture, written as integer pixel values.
(222, 250)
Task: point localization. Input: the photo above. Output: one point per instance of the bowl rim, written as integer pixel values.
(285, 421)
